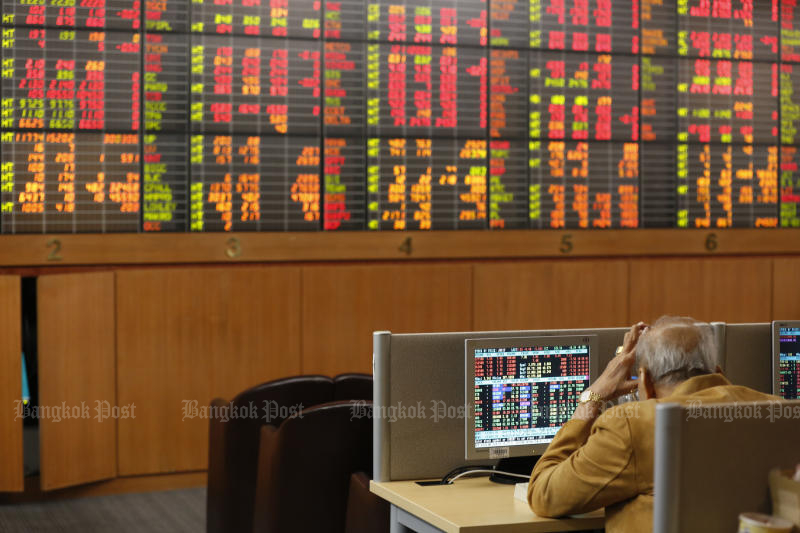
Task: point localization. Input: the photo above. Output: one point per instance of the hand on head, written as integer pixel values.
(616, 378)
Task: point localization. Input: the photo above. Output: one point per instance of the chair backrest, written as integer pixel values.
(712, 461)
(352, 387)
(305, 467)
(230, 506)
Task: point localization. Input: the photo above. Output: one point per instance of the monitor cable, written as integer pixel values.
(463, 471)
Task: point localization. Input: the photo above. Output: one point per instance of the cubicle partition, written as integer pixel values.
(712, 462)
(419, 400)
(747, 355)
(419, 395)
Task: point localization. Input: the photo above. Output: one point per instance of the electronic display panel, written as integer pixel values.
(786, 359)
(385, 115)
(521, 390)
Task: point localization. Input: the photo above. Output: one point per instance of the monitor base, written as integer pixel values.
(515, 465)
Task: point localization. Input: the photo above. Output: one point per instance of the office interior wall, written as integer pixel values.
(199, 332)
(550, 294)
(786, 287)
(717, 289)
(177, 340)
(189, 335)
(344, 304)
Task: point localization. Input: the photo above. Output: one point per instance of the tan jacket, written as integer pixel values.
(610, 463)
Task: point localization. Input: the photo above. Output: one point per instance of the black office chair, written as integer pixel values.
(233, 446)
(352, 387)
(305, 467)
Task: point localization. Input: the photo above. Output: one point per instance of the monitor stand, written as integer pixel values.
(515, 465)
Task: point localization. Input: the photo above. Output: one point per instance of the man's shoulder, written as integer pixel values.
(644, 412)
(629, 413)
(725, 393)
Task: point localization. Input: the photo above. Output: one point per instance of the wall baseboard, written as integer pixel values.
(119, 485)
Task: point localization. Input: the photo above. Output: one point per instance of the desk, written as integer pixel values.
(471, 505)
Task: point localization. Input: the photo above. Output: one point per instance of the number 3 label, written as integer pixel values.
(233, 248)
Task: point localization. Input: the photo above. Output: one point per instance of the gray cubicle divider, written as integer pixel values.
(718, 328)
(419, 404)
(711, 462)
(747, 355)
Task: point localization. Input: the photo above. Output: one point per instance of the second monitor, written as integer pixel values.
(521, 390)
(786, 359)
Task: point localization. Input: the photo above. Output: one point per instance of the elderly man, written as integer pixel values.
(605, 459)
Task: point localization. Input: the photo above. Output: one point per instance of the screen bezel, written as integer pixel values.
(520, 450)
(776, 351)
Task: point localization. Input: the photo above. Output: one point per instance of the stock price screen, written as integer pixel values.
(524, 394)
(789, 364)
(279, 115)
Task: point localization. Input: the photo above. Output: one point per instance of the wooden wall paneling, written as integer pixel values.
(75, 325)
(11, 456)
(551, 294)
(343, 305)
(186, 336)
(713, 289)
(786, 289)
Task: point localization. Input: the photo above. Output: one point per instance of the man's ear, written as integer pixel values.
(647, 388)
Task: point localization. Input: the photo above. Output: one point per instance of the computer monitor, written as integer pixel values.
(786, 359)
(521, 390)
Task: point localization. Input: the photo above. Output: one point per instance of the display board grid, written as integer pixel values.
(576, 168)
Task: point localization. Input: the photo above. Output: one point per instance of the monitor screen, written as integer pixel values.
(786, 359)
(521, 390)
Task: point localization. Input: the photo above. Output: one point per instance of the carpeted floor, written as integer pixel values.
(175, 511)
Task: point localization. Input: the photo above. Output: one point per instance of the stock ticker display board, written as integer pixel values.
(291, 115)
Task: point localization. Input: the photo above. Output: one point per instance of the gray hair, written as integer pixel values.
(675, 349)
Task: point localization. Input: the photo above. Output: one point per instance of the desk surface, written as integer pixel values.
(475, 505)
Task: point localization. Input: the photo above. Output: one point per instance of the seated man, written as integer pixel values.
(606, 460)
